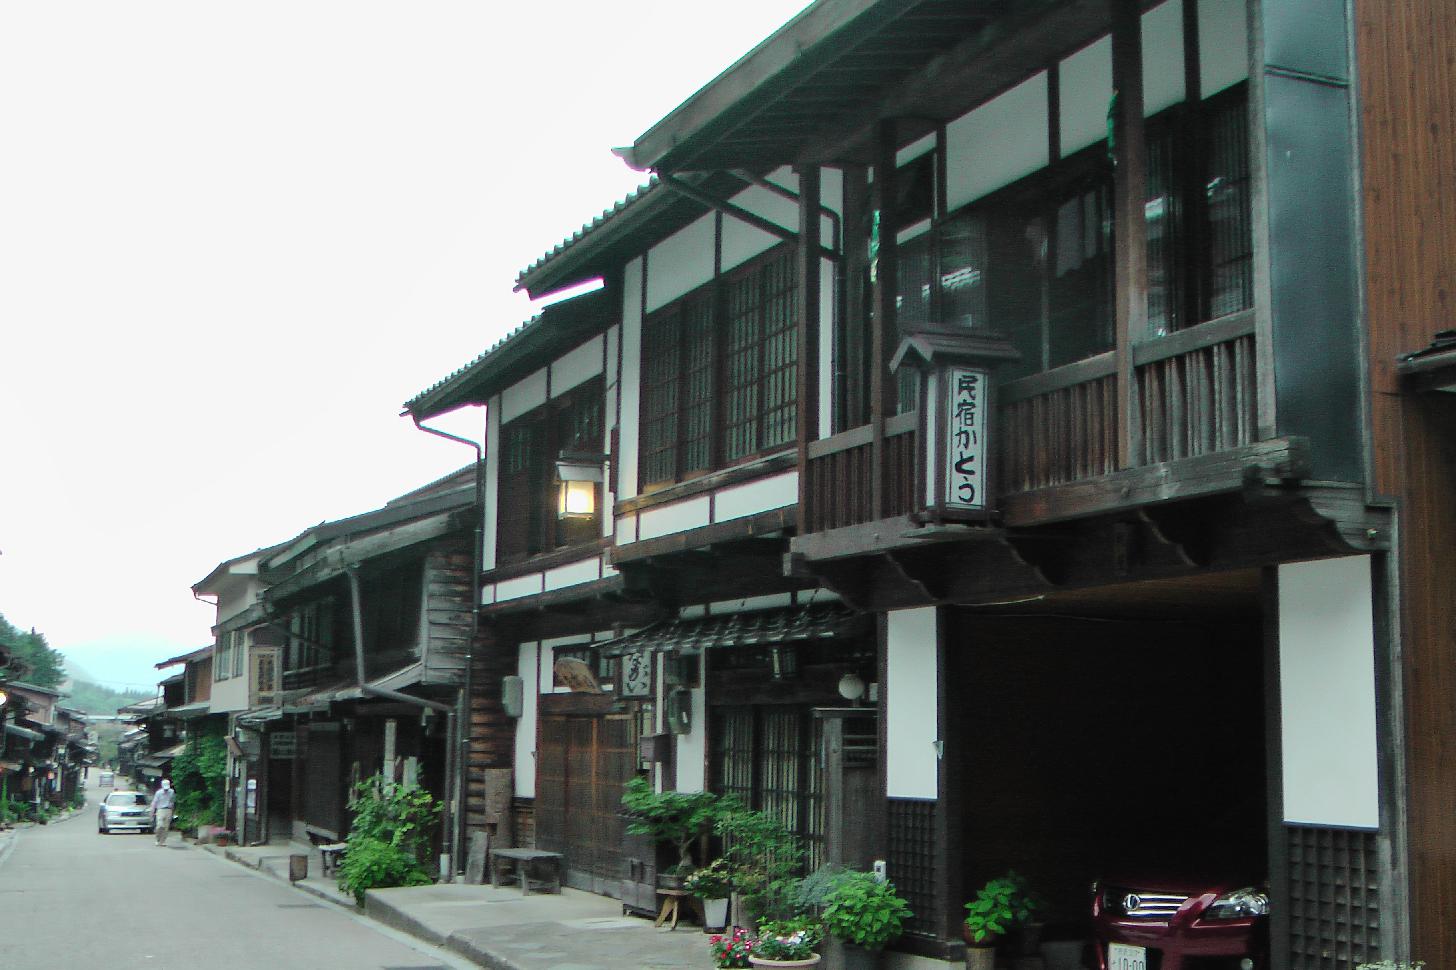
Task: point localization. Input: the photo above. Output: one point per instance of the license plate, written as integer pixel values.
(1120, 956)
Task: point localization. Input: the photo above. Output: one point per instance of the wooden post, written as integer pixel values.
(884, 329)
(807, 371)
(1129, 194)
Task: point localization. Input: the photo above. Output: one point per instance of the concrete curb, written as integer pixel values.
(389, 915)
(492, 961)
(7, 844)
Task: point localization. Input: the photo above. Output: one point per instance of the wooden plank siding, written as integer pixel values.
(1407, 73)
(449, 596)
(492, 734)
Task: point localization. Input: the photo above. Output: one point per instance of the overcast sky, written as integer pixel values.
(235, 237)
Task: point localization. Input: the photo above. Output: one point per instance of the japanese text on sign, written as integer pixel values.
(965, 470)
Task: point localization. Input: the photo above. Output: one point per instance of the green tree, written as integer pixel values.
(44, 666)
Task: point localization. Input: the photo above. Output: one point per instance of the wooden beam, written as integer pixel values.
(1130, 232)
(807, 368)
(748, 527)
(883, 327)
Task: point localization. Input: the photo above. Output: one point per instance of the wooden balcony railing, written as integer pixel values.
(840, 484)
(1195, 394)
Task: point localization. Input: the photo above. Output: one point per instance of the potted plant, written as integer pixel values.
(732, 950)
(763, 856)
(864, 913)
(675, 818)
(1001, 905)
(712, 884)
(787, 943)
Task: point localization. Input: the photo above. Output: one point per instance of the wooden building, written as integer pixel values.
(1058, 342)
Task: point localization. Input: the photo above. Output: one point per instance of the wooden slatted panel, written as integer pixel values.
(583, 764)
(1064, 435)
(1198, 402)
(913, 858)
(839, 484)
(1334, 898)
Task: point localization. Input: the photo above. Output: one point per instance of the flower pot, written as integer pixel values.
(810, 961)
(715, 915)
(980, 958)
(669, 881)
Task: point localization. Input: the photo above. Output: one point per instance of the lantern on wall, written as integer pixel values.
(577, 479)
(955, 370)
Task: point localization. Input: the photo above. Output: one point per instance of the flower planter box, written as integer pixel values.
(812, 961)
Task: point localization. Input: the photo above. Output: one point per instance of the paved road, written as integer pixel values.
(71, 898)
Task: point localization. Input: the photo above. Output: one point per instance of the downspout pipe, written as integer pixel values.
(461, 743)
(451, 783)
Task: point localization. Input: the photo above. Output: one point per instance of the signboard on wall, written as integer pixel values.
(965, 429)
(637, 674)
(282, 745)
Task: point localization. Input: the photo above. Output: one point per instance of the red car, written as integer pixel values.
(1180, 924)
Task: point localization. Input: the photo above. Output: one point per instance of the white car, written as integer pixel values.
(125, 811)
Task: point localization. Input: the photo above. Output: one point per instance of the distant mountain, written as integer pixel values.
(96, 699)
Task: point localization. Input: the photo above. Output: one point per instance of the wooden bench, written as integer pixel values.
(522, 860)
(329, 855)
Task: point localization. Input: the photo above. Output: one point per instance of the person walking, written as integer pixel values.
(162, 807)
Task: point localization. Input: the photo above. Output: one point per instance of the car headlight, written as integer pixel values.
(1239, 904)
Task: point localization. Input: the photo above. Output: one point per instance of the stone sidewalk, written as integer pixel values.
(500, 928)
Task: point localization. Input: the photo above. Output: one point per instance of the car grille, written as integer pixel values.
(1146, 905)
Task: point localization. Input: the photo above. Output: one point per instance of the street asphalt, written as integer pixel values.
(72, 899)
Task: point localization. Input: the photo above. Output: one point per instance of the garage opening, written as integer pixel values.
(1097, 741)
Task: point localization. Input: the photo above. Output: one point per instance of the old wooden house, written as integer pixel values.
(1026, 375)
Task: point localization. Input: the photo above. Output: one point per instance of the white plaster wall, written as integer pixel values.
(1327, 693)
(759, 496)
(514, 589)
(244, 590)
(912, 767)
(680, 263)
(915, 149)
(574, 574)
(631, 399)
(523, 396)
(667, 519)
(577, 366)
(1163, 81)
(526, 669)
(831, 192)
(1085, 94)
(626, 530)
(997, 143)
(232, 694)
(492, 483)
(692, 747)
(1223, 44)
(827, 293)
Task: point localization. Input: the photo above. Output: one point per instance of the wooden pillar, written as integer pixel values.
(1129, 195)
(884, 330)
(852, 347)
(807, 372)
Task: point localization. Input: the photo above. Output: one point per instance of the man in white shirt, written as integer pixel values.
(162, 807)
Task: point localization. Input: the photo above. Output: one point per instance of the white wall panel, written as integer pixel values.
(514, 589)
(574, 574)
(1163, 81)
(912, 151)
(827, 291)
(759, 496)
(680, 263)
(1085, 95)
(1327, 693)
(523, 396)
(526, 726)
(997, 143)
(912, 765)
(691, 747)
(626, 530)
(631, 379)
(831, 192)
(742, 242)
(492, 483)
(679, 516)
(577, 366)
(1223, 44)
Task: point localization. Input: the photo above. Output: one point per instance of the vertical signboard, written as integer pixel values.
(965, 429)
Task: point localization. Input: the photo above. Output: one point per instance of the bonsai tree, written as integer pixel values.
(1001, 905)
(764, 857)
(676, 818)
(865, 912)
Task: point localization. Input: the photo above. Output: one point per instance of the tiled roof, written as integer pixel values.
(787, 625)
(587, 229)
(458, 372)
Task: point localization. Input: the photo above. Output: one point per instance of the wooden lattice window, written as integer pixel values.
(719, 378)
(1334, 898)
(913, 857)
(768, 757)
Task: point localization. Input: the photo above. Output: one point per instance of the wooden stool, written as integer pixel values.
(671, 906)
(329, 855)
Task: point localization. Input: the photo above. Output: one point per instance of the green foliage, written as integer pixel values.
(391, 813)
(864, 911)
(677, 818)
(199, 775)
(1001, 905)
(812, 892)
(41, 665)
(790, 939)
(1392, 965)
(373, 864)
(764, 857)
(713, 881)
(97, 699)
